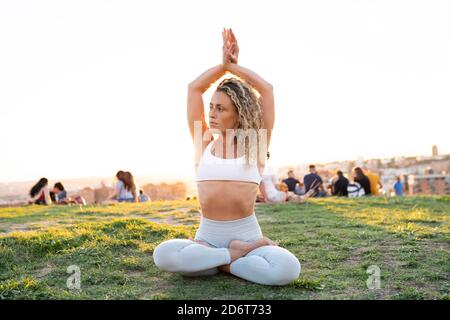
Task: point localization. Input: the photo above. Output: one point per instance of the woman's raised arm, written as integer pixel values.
(195, 107)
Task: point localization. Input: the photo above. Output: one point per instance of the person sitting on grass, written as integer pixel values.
(313, 183)
(59, 196)
(398, 187)
(125, 190)
(229, 238)
(274, 192)
(363, 180)
(374, 180)
(40, 193)
(339, 185)
(292, 182)
(60, 193)
(143, 197)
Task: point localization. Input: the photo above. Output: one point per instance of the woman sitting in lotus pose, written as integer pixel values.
(229, 238)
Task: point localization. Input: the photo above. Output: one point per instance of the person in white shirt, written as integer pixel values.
(125, 189)
(269, 191)
(268, 187)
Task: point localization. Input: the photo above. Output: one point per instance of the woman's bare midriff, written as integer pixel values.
(227, 200)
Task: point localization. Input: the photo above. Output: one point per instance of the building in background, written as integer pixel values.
(434, 151)
(429, 184)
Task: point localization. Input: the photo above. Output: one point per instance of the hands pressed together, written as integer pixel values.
(230, 49)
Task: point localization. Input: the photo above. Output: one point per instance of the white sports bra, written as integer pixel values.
(234, 169)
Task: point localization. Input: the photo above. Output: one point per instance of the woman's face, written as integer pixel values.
(222, 113)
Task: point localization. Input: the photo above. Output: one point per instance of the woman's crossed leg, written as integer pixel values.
(259, 261)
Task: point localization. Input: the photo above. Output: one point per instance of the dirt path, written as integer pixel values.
(9, 228)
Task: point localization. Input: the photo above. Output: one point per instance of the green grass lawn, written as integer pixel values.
(336, 240)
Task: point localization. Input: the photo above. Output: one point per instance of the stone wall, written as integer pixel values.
(165, 191)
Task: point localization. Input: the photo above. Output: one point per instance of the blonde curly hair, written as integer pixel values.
(248, 108)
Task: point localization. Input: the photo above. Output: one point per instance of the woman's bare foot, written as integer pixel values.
(240, 248)
(225, 268)
(269, 242)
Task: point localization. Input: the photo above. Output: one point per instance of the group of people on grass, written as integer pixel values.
(125, 190)
(291, 189)
(41, 194)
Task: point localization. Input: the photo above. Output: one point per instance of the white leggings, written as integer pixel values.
(267, 265)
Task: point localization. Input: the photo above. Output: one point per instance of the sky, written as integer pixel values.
(91, 87)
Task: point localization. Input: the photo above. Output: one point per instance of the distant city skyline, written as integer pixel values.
(148, 178)
(425, 172)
